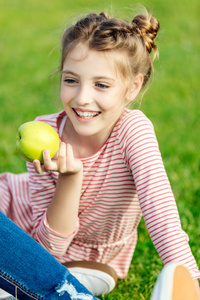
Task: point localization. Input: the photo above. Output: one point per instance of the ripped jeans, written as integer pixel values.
(28, 271)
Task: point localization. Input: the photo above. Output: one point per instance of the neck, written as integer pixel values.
(83, 146)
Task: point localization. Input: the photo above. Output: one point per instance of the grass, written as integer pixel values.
(29, 52)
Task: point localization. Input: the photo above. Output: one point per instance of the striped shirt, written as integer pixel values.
(122, 182)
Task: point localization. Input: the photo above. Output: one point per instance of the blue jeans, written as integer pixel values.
(27, 267)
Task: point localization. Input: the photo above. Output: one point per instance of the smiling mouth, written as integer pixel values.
(86, 114)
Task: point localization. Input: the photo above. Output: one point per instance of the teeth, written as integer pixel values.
(86, 115)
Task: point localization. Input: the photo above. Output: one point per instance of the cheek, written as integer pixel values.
(65, 95)
(116, 103)
(113, 109)
(62, 92)
(111, 101)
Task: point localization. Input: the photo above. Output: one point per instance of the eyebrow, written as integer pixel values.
(96, 77)
(69, 72)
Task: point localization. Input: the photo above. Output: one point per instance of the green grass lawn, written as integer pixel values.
(30, 34)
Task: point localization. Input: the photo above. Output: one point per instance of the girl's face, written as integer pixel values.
(92, 92)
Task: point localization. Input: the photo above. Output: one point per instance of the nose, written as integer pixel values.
(84, 95)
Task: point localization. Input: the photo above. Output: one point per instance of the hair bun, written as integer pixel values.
(104, 15)
(147, 27)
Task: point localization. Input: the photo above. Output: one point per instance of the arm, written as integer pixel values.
(196, 282)
(62, 212)
(42, 186)
(155, 195)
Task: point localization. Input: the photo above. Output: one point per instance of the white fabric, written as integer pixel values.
(97, 282)
(5, 295)
(163, 289)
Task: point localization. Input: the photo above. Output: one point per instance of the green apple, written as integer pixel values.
(35, 136)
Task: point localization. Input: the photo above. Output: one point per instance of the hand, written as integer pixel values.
(64, 162)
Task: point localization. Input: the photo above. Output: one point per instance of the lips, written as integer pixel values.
(86, 114)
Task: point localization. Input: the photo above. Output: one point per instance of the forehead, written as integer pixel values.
(102, 62)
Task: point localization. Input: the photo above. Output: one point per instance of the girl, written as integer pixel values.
(84, 205)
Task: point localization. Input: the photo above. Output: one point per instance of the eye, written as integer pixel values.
(102, 85)
(70, 81)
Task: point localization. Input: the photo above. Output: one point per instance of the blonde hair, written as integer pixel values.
(135, 39)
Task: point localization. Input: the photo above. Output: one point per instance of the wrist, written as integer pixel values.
(71, 174)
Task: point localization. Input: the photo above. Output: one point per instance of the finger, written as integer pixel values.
(71, 160)
(62, 149)
(70, 153)
(49, 165)
(73, 165)
(62, 158)
(38, 167)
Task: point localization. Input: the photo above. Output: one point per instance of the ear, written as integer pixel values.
(135, 87)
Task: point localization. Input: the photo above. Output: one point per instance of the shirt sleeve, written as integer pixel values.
(155, 196)
(42, 188)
